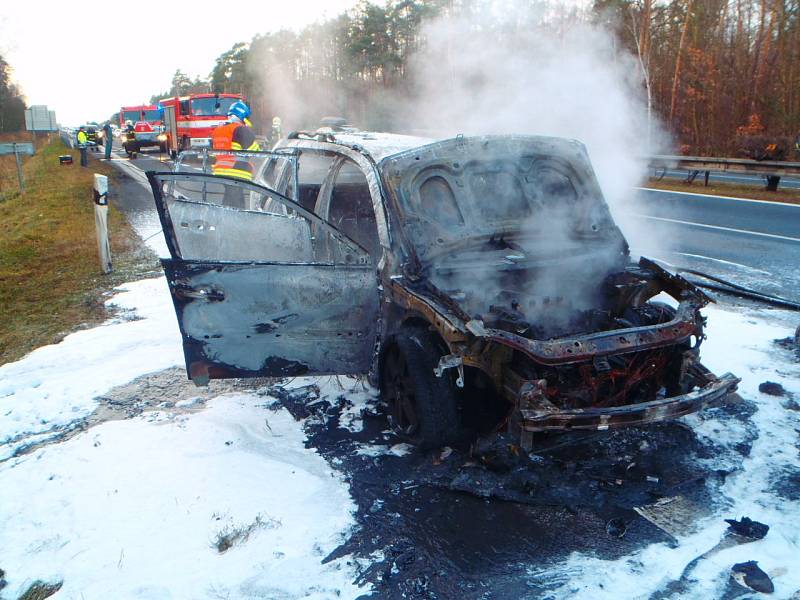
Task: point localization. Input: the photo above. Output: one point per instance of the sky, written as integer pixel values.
(86, 58)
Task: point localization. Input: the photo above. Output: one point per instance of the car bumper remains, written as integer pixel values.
(543, 419)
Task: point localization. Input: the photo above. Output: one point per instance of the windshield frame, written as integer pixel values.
(211, 101)
(141, 114)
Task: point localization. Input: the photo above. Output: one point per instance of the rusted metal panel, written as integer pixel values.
(584, 348)
(629, 414)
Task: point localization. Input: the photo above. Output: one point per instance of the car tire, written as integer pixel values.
(422, 408)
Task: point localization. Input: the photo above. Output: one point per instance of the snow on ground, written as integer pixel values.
(137, 509)
(56, 385)
(739, 341)
(140, 508)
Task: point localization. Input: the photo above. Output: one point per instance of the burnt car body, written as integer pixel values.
(488, 263)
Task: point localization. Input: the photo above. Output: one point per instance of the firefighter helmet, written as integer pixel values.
(240, 110)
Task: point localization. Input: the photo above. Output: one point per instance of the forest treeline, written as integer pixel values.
(710, 70)
(12, 103)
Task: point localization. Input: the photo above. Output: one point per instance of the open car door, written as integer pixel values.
(262, 288)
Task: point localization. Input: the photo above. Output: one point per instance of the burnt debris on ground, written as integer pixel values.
(458, 522)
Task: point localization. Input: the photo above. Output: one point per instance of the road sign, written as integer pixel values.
(39, 118)
(18, 148)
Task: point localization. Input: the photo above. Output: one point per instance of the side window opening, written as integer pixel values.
(312, 170)
(206, 227)
(351, 210)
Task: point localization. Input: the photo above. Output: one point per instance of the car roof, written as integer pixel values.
(377, 144)
(380, 145)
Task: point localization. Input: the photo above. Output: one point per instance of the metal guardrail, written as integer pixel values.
(68, 136)
(732, 165)
(770, 170)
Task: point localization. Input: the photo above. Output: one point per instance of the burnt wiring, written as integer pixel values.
(726, 287)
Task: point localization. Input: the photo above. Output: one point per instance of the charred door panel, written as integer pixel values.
(269, 292)
(274, 319)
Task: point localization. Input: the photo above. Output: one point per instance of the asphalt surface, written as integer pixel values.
(752, 243)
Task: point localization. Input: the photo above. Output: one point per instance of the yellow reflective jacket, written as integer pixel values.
(82, 138)
(233, 136)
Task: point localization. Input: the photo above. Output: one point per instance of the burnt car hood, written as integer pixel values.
(460, 192)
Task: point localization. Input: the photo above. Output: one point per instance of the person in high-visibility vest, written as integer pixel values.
(83, 141)
(236, 134)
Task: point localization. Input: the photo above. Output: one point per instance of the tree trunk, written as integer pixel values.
(766, 58)
(678, 59)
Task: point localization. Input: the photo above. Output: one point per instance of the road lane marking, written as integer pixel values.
(770, 202)
(785, 238)
(725, 262)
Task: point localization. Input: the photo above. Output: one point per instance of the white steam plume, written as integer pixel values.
(538, 72)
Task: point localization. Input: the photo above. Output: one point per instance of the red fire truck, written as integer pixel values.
(197, 114)
(148, 129)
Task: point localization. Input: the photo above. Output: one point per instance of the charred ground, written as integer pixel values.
(473, 522)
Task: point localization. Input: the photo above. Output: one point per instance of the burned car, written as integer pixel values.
(454, 273)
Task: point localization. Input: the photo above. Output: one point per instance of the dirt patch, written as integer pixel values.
(40, 590)
(169, 389)
(236, 535)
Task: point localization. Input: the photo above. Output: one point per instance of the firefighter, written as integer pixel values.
(83, 141)
(276, 130)
(236, 134)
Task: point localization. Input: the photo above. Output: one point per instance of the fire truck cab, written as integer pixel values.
(197, 115)
(148, 128)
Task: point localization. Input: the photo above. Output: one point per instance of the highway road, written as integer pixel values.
(749, 242)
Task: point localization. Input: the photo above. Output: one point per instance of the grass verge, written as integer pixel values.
(786, 195)
(50, 277)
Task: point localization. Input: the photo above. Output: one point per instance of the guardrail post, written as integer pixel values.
(772, 183)
(101, 221)
(19, 170)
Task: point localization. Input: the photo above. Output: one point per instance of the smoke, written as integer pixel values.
(516, 67)
(536, 71)
(528, 68)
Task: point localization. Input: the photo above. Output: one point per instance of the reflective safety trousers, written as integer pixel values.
(228, 164)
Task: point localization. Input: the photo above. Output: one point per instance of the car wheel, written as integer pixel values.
(422, 408)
